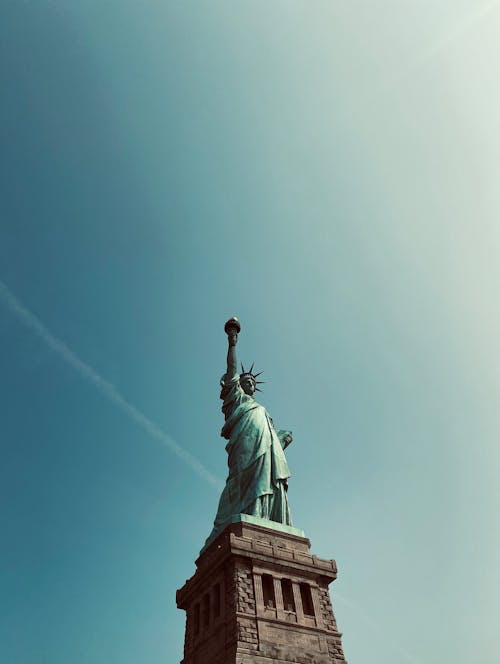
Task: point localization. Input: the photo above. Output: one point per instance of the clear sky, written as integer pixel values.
(329, 173)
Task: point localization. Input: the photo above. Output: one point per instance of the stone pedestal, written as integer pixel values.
(259, 596)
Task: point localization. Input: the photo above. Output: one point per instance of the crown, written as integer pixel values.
(254, 376)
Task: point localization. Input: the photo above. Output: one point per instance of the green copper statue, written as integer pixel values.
(258, 471)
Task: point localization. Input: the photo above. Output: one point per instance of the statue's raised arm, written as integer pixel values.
(232, 329)
(258, 472)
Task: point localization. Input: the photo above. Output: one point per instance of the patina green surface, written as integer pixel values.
(258, 471)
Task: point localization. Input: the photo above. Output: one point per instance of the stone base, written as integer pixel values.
(259, 596)
(256, 521)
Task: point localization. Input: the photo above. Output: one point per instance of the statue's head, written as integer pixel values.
(249, 382)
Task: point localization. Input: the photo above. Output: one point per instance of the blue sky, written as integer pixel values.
(328, 172)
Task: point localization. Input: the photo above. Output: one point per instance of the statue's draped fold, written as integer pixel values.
(258, 470)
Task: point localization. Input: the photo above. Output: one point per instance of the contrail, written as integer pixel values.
(104, 386)
(461, 27)
(455, 31)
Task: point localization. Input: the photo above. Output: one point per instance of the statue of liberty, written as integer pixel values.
(258, 471)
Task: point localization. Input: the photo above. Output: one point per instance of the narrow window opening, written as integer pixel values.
(196, 619)
(307, 603)
(268, 591)
(206, 610)
(217, 602)
(288, 599)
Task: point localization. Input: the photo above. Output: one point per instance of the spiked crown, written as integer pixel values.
(252, 375)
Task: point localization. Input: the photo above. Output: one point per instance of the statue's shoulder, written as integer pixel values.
(230, 387)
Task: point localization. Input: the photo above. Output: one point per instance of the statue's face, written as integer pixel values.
(247, 385)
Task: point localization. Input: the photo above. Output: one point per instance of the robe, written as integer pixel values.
(258, 471)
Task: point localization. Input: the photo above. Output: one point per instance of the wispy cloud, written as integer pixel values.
(107, 389)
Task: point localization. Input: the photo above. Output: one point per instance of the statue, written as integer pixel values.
(258, 471)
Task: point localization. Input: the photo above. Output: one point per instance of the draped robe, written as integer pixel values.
(258, 471)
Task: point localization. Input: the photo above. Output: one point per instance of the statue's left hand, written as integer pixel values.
(285, 437)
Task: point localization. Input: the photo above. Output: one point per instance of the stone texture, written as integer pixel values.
(244, 603)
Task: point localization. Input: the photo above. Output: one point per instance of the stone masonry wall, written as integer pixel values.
(334, 641)
(240, 599)
(247, 630)
(326, 609)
